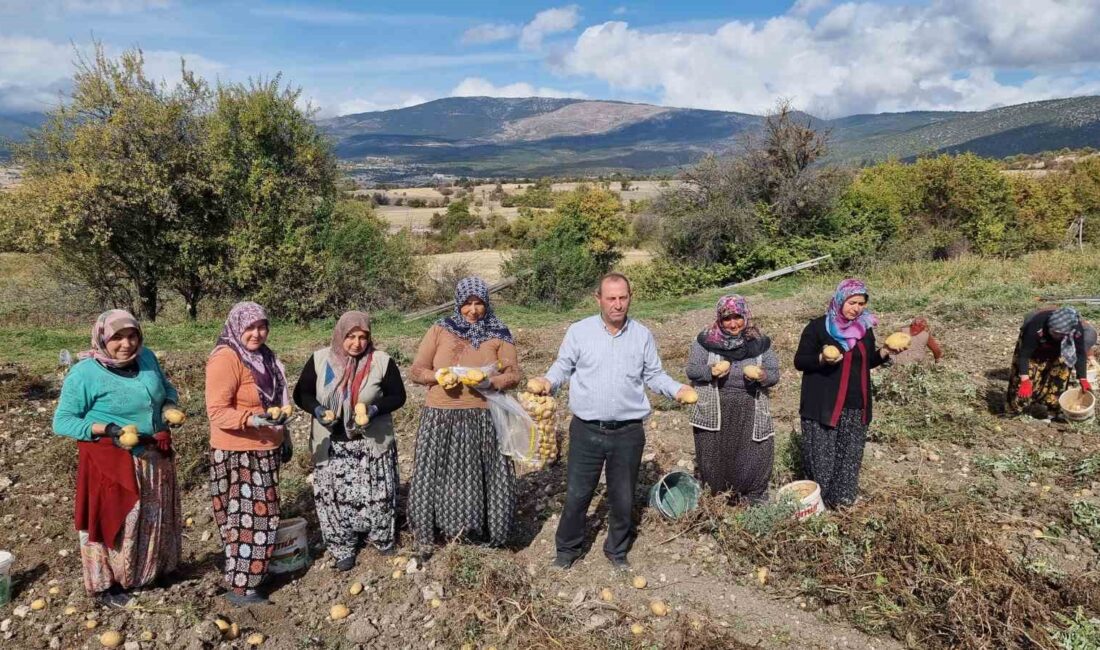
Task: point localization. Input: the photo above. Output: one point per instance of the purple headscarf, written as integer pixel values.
(267, 371)
(107, 325)
(728, 306)
(848, 332)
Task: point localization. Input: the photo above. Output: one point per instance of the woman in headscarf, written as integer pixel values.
(244, 379)
(922, 342)
(1051, 344)
(462, 485)
(351, 388)
(835, 355)
(732, 365)
(127, 503)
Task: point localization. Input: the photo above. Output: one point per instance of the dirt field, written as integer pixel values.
(941, 431)
(486, 262)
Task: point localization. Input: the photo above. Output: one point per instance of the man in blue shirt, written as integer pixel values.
(608, 360)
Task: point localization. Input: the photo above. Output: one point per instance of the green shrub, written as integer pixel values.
(666, 279)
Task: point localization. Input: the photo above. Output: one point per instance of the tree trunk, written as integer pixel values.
(147, 295)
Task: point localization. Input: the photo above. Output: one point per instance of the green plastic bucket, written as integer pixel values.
(675, 494)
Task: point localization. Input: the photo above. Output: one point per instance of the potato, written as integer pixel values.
(110, 639)
(606, 595)
(274, 413)
(222, 625)
(637, 629)
(831, 353)
(287, 410)
(473, 377)
(234, 632)
(254, 639)
(356, 588)
(329, 415)
(753, 372)
(639, 582)
(362, 419)
(898, 341)
(435, 603)
(538, 386)
(38, 603)
(174, 416)
(658, 608)
(690, 396)
(720, 368)
(338, 612)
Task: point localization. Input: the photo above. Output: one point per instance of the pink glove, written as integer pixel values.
(164, 441)
(1086, 386)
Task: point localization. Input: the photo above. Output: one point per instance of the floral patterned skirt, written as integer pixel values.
(355, 491)
(151, 535)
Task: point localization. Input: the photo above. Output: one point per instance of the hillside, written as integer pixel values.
(537, 136)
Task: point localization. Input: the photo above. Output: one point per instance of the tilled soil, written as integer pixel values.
(684, 567)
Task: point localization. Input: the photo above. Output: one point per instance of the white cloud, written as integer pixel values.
(114, 6)
(550, 21)
(33, 71)
(620, 10)
(490, 33)
(857, 57)
(806, 7)
(377, 102)
(478, 87)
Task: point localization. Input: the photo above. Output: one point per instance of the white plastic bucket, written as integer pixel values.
(291, 551)
(6, 560)
(808, 494)
(1077, 405)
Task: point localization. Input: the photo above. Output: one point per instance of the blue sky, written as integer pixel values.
(832, 58)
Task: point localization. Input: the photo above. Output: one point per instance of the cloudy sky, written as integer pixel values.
(831, 58)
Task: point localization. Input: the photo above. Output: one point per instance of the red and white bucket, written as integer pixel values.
(808, 495)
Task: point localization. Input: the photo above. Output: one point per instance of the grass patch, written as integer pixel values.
(1024, 464)
(919, 402)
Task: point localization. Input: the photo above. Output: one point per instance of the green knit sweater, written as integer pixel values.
(92, 394)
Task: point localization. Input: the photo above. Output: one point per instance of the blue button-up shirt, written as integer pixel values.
(606, 371)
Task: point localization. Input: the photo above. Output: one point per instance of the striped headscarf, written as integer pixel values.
(1062, 325)
(848, 332)
(267, 371)
(489, 327)
(108, 324)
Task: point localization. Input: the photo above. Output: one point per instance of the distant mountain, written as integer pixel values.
(538, 136)
(14, 127)
(482, 136)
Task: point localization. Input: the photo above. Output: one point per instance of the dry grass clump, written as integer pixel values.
(920, 566)
(490, 599)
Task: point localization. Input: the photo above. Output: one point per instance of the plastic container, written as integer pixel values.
(808, 494)
(675, 494)
(6, 561)
(1077, 405)
(291, 551)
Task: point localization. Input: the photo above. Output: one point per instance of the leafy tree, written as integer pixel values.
(366, 268)
(278, 176)
(581, 246)
(118, 185)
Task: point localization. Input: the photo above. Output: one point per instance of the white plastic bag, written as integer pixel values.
(516, 434)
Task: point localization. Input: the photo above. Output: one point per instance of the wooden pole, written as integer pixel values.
(787, 270)
(428, 311)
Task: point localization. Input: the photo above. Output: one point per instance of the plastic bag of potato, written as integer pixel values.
(542, 409)
(514, 426)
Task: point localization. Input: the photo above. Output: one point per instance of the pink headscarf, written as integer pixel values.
(107, 325)
(848, 332)
(267, 371)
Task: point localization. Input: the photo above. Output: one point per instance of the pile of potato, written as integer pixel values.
(542, 408)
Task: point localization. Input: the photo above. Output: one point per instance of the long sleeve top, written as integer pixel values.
(827, 389)
(608, 373)
(698, 370)
(231, 400)
(442, 349)
(93, 394)
(1036, 341)
(392, 394)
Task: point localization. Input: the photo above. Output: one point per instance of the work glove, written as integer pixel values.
(113, 431)
(1086, 386)
(319, 415)
(164, 441)
(260, 421)
(1025, 390)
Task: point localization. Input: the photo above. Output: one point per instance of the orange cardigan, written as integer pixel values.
(231, 399)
